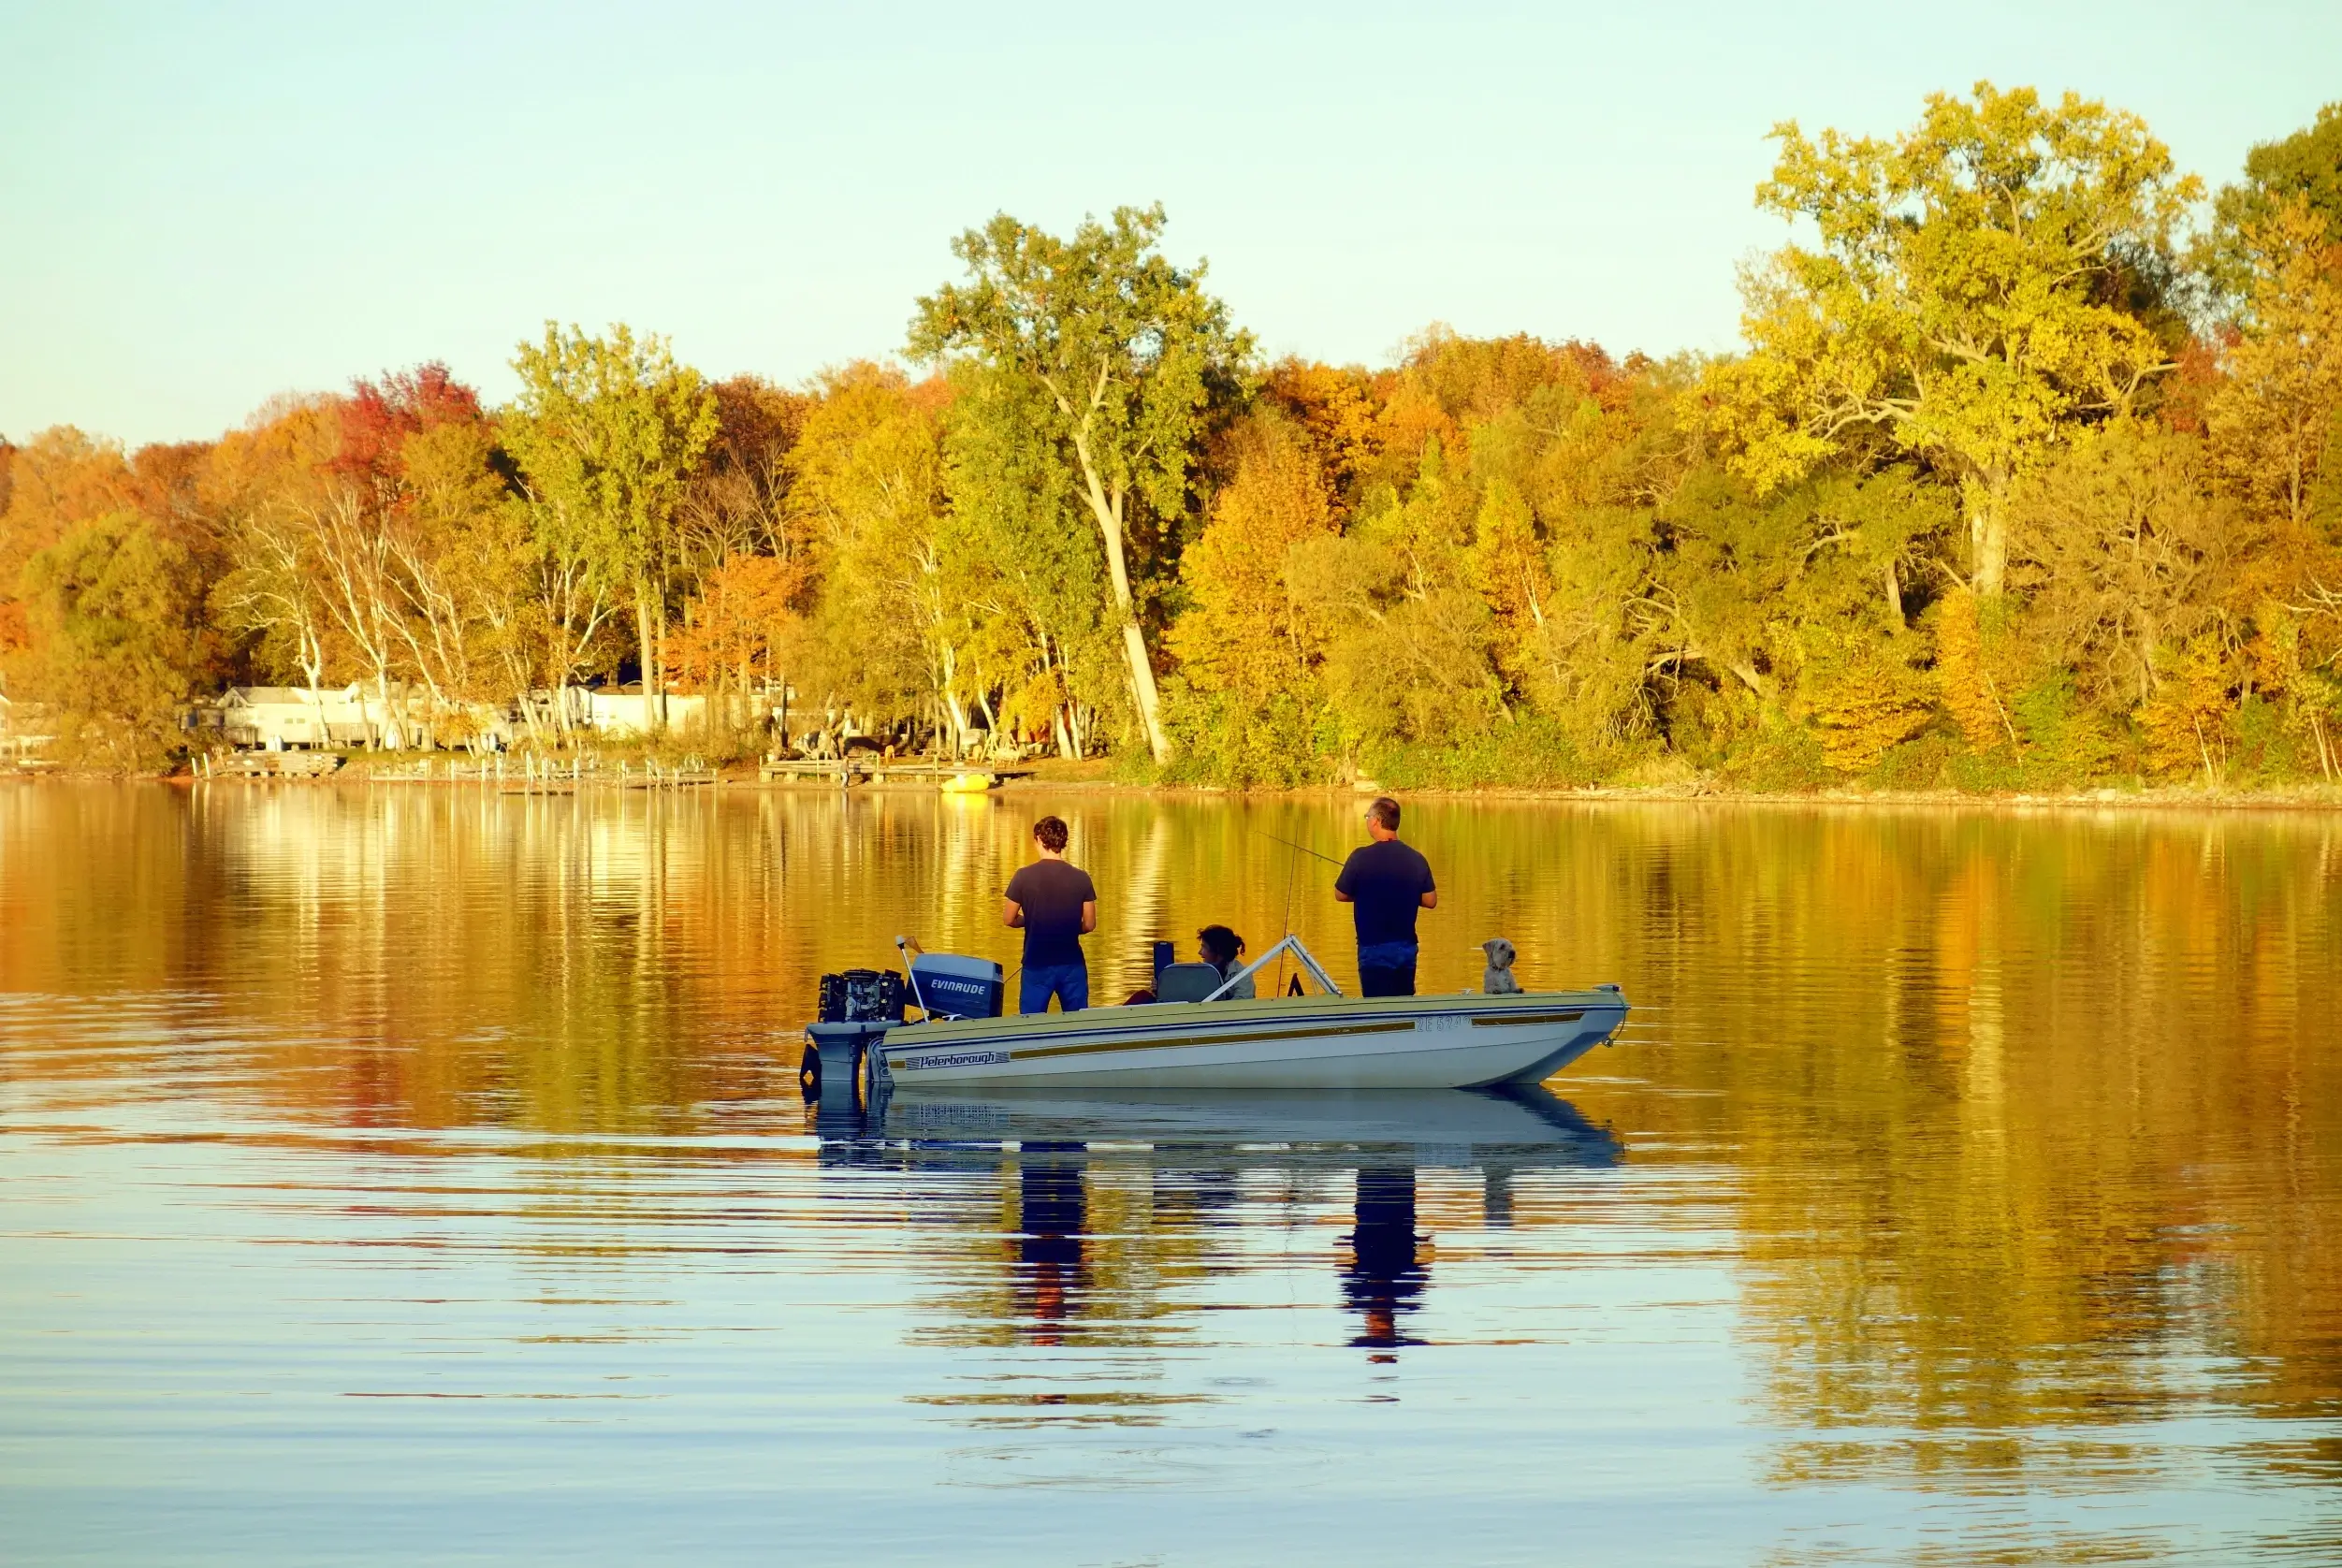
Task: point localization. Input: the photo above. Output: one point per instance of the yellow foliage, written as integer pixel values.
(1959, 668)
(1336, 411)
(2273, 417)
(1962, 299)
(1873, 704)
(2186, 723)
(1246, 634)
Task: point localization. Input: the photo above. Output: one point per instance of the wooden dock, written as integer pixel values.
(268, 764)
(846, 772)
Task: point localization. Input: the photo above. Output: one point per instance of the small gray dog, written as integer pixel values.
(1497, 979)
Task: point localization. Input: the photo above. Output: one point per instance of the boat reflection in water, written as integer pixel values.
(1194, 1149)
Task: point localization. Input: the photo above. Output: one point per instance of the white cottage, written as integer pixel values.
(16, 721)
(619, 711)
(275, 717)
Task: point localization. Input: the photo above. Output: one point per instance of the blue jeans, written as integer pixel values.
(1387, 970)
(1068, 982)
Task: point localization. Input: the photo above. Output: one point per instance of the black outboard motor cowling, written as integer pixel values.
(862, 996)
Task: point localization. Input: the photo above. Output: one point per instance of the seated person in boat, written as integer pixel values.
(1225, 952)
(1055, 903)
(1221, 956)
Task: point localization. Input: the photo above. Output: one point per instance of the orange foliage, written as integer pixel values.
(59, 478)
(743, 619)
(1334, 410)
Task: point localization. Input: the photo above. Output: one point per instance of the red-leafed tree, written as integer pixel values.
(380, 415)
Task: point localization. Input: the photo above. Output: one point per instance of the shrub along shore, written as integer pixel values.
(1053, 778)
(2027, 482)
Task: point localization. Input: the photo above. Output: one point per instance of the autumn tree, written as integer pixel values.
(1030, 574)
(1119, 353)
(266, 490)
(2277, 415)
(867, 500)
(447, 548)
(743, 623)
(1248, 637)
(738, 500)
(1962, 678)
(115, 639)
(605, 432)
(57, 479)
(1968, 301)
(2301, 170)
(1408, 642)
(1333, 409)
(2121, 547)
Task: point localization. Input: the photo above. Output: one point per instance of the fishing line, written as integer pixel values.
(1292, 868)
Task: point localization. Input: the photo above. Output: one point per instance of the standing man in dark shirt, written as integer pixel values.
(1057, 905)
(1386, 883)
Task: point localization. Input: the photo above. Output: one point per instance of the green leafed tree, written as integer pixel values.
(116, 637)
(1973, 298)
(606, 431)
(2303, 170)
(1120, 355)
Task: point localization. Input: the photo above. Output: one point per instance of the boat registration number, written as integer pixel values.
(950, 1059)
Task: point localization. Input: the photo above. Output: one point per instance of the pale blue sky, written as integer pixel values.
(201, 205)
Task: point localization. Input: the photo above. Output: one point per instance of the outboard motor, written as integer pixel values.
(950, 986)
(857, 1008)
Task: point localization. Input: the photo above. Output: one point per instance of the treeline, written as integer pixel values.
(2030, 476)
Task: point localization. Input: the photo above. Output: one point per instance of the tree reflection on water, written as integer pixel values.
(2015, 1132)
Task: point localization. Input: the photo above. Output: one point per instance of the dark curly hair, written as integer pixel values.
(1050, 833)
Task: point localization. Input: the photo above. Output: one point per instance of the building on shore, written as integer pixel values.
(23, 733)
(626, 711)
(292, 717)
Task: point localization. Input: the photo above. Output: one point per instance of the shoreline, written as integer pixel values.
(2303, 797)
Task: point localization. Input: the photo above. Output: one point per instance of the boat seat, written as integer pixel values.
(1186, 983)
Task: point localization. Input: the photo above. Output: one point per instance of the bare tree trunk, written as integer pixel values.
(645, 639)
(1110, 524)
(1988, 534)
(960, 730)
(393, 734)
(659, 652)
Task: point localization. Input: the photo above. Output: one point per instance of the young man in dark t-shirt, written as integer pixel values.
(1385, 882)
(1056, 904)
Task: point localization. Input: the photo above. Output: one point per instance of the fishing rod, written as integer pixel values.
(1291, 844)
(1290, 867)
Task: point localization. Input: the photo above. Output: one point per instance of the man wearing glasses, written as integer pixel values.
(1385, 882)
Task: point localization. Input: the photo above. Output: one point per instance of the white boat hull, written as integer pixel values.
(1313, 1043)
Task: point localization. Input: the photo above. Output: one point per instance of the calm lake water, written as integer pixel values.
(419, 1174)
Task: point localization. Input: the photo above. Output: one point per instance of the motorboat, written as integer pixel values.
(1322, 1041)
